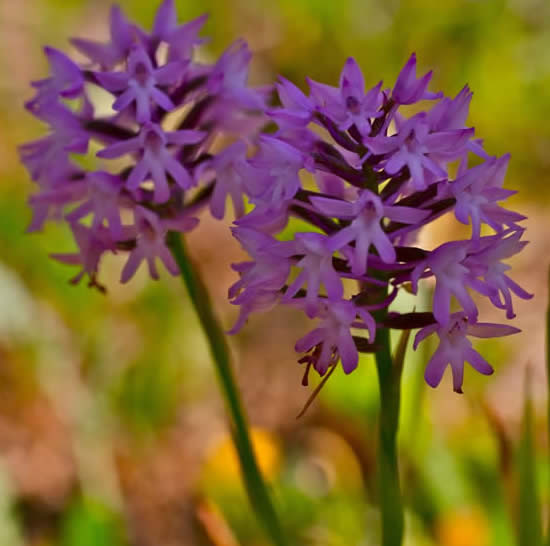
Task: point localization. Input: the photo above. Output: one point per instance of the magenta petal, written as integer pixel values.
(351, 79)
(185, 136)
(369, 321)
(162, 99)
(162, 190)
(113, 81)
(348, 351)
(166, 19)
(424, 333)
(478, 362)
(100, 53)
(121, 29)
(179, 173)
(309, 340)
(332, 282)
(291, 96)
(217, 201)
(65, 72)
(360, 255)
(292, 290)
(435, 369)
(457, 367)
(406, 76)
(137, 176)
(133, 262)
(406, 215)
(517, 289)
(124, 100)
(143, 108)
(486, 330)
(341, 238)
(120, 148)
(169, 73)
(333, 207)
(382, 243)
(396, 162)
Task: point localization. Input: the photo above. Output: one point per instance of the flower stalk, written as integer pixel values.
(389, 380)
(255, 485)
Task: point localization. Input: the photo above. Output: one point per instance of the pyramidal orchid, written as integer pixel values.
(129, 179)
(149, 173)
(349, 161)
(382, 175)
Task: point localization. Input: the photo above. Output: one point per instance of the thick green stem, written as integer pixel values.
(389, 379)
(254, 483)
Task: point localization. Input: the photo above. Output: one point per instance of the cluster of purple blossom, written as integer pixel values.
(130, 204)
(380, 177)
(376, 177)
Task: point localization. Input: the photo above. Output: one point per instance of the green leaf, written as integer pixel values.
(91, 523)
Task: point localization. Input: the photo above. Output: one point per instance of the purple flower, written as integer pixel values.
(272, 174)
(147, 81)
(452, 277)
(488, 265)
(66, 81)
(102, 196)
(421, 150)
(261, 280)
(140, 84)
(266, 218)
(229, 77)
(297, 110)
(316, 269)
(477, 192)
(270, 268)
(184, 38)
(349, 104)
(450, 114)
(455, 348)
(51, 202)
(408, 89)
(378, 176)
(332, 339)
(378, 190)
(92, 244)
(122, 38)
(228, 165)
(156, 160)
(365, 228)
(47, 159)
(150, 233)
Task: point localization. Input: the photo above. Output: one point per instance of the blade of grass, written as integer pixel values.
(254, 483)
(548, 386)
(529, 524)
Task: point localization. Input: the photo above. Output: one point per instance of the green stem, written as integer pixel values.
(255, 486)
(389, 379)
(548, 385)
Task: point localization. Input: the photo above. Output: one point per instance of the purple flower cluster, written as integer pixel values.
(367, 176)
(353, 163)
(147, 164)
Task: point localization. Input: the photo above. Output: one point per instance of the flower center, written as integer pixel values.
(353, 105)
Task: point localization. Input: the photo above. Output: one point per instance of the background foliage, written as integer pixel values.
(111, 428)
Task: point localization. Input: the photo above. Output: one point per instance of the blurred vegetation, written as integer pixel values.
(111, 429)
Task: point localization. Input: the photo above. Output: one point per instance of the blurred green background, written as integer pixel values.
(112, 431)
